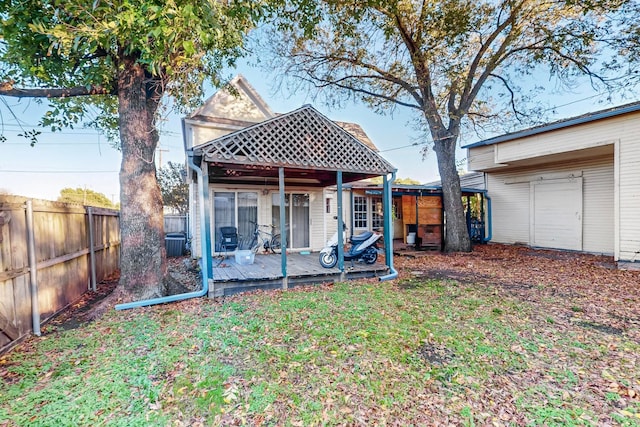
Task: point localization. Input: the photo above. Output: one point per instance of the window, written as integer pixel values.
(377, 219)
(327, 205)
(360, 212)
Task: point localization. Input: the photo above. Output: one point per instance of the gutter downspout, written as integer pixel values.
(388, 230)
(205, 267)
(489, 227)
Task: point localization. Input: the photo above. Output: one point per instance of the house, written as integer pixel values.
(572, 184)
(285, 170)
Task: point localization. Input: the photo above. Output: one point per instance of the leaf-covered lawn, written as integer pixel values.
(502, 336)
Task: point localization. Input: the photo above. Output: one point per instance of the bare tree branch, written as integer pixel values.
(8, 89)
(512, 96)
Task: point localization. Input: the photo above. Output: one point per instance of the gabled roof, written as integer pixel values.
(357, 131)
(303, 141)
(238, 102)
(573, 121)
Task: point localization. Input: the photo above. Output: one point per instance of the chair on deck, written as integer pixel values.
(228, 240)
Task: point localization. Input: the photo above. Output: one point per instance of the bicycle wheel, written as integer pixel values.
(254, 246)
(275, 245)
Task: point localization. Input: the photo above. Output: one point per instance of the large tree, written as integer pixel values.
(122, 60)
(454, 62)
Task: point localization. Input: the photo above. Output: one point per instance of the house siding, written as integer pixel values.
(511, 208)
(318, 234)
(565, 144)
(562, 141)
(481, 158)
(629, 198)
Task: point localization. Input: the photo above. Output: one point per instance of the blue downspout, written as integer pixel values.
(206, 267)
(388, 227)
(489, 228)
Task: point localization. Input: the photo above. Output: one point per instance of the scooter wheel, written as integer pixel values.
(370, 256)
(328, 260)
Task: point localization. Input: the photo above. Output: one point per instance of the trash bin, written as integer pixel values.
(174, 244)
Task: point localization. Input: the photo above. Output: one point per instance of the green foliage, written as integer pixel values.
(115, 65)
(406, 181)
(50, 44)
(174, 187)
(400, 181)
(86, 197)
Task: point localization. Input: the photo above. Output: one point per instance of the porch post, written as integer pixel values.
(283, 230)
(388, 224)
(340, 225)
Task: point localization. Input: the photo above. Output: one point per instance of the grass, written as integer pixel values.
(422, 352)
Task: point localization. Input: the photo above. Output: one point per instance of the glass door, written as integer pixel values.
(235, 209)
(296, 218)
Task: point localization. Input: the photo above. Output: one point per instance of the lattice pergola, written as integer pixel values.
(309, 146)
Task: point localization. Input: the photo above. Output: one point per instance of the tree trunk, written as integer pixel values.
(457, 235)
(143, 266)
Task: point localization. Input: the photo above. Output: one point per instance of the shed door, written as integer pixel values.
(556, 214)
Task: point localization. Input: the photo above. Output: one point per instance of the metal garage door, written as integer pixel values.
(556, 214)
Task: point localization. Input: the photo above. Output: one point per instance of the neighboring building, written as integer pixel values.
(572, 184)
(241, 144)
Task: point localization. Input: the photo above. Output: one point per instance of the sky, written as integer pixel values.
(82, 158)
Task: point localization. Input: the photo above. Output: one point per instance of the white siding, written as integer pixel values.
(480, 158)
(574, 138)
(473, 180)
(316, 219)
(629, 194)
(510, 196)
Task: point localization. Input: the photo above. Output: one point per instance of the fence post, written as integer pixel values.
(33, 270)
(92, 251)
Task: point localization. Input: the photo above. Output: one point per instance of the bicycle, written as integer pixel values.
(268, 241)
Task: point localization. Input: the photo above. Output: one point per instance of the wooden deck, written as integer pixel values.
(266, 273)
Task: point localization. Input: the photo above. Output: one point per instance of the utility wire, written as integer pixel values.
(52, 171)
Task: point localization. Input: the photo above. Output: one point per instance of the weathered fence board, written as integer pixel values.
(175, 224)
(63, 259)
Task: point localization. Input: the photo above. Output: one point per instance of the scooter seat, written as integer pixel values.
(361, 237)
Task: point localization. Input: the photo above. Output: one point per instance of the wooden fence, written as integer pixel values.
(175, 224)
(72, 248)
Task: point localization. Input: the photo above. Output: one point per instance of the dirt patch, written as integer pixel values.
(185, 277)
(76, 315)
(605, 329)
(434, 354)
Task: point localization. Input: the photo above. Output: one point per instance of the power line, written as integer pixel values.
(51, 171)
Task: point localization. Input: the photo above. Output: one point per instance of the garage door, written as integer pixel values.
(556, 214)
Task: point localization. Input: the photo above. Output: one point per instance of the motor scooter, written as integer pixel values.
(364, 247)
